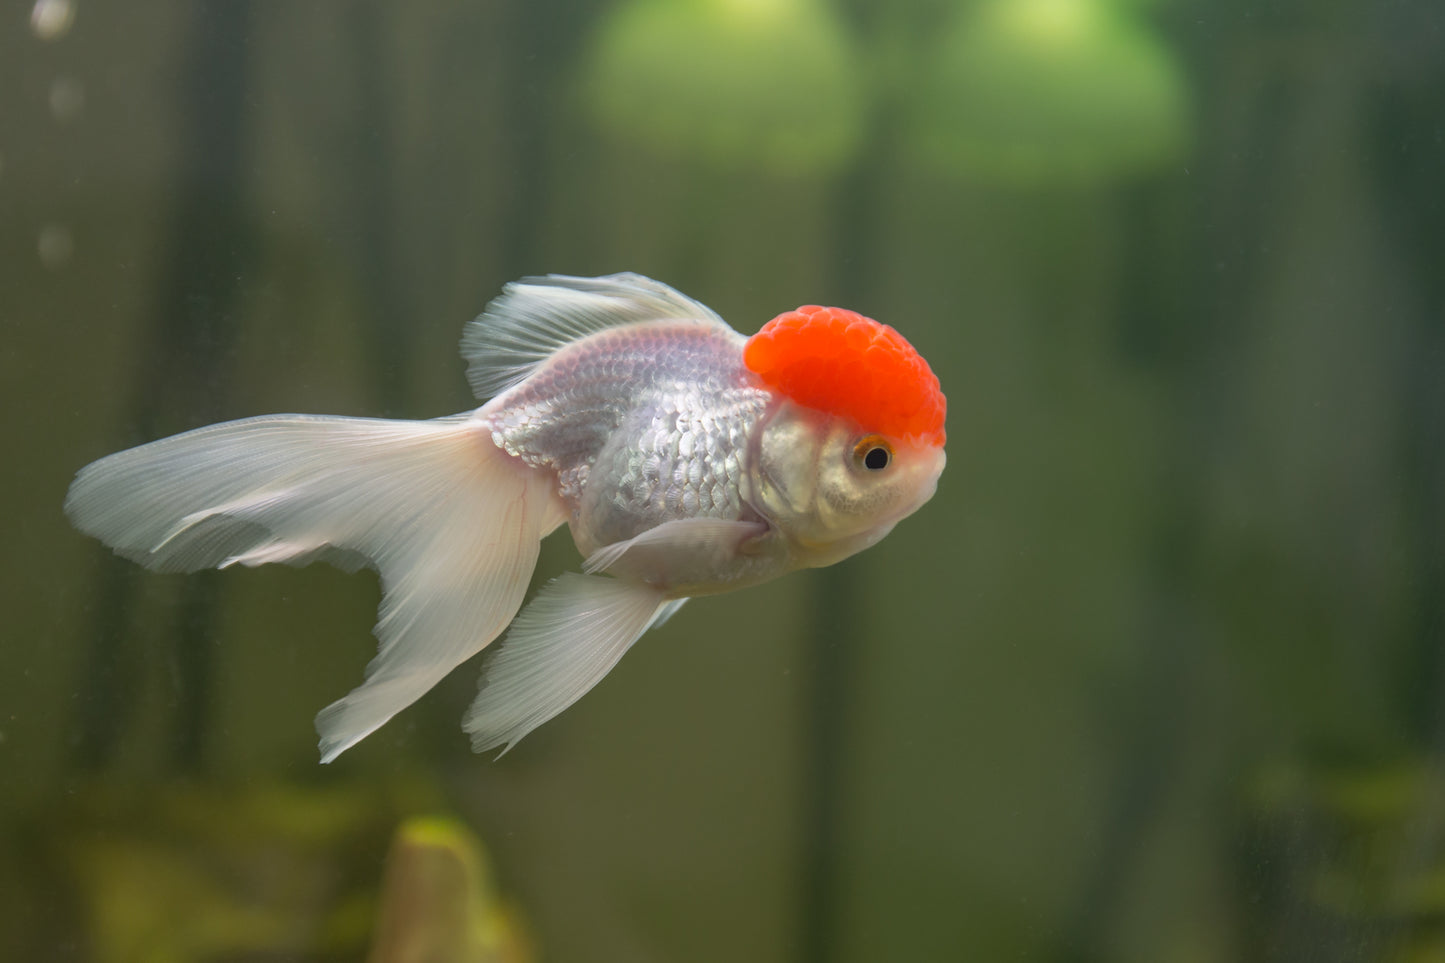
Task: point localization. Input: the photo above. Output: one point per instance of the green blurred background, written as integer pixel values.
(1159, 675)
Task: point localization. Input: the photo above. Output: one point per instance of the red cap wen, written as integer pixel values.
(840, 362)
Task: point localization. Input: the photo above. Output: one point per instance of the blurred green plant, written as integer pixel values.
(771, 84)
(185, 873)
(1357, 849)
(438, 901)
(1019, 90)
(1048, 90)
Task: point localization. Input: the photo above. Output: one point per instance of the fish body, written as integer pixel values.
(685, 458)
(642, 425)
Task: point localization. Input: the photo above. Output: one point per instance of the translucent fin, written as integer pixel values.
(668, 610)
(677, 551)
(451, 523)
(534, 317)
(560, 646)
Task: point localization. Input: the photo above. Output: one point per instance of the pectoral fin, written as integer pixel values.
(677, 552)
(559, 647)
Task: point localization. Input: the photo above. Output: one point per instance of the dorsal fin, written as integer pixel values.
(534, 317)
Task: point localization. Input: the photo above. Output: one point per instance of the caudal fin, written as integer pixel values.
(450, 521)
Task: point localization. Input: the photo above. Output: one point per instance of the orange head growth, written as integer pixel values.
(843, 363)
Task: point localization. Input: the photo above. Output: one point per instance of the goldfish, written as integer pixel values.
(686, 459)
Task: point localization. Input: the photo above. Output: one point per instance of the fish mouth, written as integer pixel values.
(925, 494)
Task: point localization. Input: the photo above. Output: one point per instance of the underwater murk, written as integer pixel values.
(1152, 672)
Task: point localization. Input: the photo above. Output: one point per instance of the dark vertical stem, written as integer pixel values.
(833, 645)
(108, 675)
(1406, 168)
(1151, 712)
(837, 609)
(541, 34)
(189, 344)
(195, 648)
(387, 344)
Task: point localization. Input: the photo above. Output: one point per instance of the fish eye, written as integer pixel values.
(873, 453)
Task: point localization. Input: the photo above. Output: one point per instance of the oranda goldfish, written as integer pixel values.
(685, 458)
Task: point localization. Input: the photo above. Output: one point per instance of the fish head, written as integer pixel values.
(854, 440)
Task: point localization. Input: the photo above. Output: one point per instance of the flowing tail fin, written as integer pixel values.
(451, 522)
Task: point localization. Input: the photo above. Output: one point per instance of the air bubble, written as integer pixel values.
(56, 245)
(51, 19)
(67, 98)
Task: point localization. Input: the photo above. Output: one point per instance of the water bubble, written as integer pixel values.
(56, 245)
(67, 98)
(51, 19)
